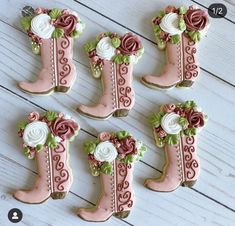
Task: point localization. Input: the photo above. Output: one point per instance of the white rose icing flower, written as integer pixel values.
(105, 151)
(41, 26)
(35, 133)
(170, 124)
(169, 24)
(105, 49)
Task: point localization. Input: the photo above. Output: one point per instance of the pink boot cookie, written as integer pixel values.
(111, 59)
(175, 128)
(112, 157)
(51, 33)
(46, 138)
(178, 31)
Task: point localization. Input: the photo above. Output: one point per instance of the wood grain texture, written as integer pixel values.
(213, 197)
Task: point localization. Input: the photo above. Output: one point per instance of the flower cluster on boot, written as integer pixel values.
(110, 146)
(110, 46)
(176, 120)
(170, 23)
(42, 23)
(47, 130)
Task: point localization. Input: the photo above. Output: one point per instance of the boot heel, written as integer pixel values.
(62, 89)
(185, 83)
(188, 183)
(122, 214)
(58, 195)
(121, 113)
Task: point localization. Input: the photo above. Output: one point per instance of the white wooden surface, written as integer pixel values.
(210, 202)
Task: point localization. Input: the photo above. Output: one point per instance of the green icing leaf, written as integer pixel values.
(89, 147)
(182, 25)
(58, 33)
(106, 168)
(182, 10)
(108, 33)
(190, 132)
(160, 13)
(175, 39)
(195, 35)
(22, 125)
(55, 13)
(156, 29)
(126, 59)
(25, 22)
(129, 159)
(39, 147)
(51, 142)
(27, 153)
(35, 48)
(75, 34)
(118, 59)
(183, 122)
(122, 135)
(95, 171)
(172, 139)
(51, 115)
(89, 46)
(116, 42)
(155, 119)
(189, 104)
(140, 152)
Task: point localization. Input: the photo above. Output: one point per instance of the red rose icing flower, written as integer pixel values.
(64, 128)
(195, 118)
(170, 9)
(195, 19)
(33, 116)
(130, 44)
(127, 146)
(67, 22)
(168, 108)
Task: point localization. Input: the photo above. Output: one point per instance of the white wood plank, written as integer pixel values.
(215, 149)
(183, 207)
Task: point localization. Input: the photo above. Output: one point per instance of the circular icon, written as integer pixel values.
(15, 215)
(217, 10)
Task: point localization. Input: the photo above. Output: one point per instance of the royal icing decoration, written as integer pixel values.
(47, 130)
(174, 121)
(168, 24)
(110, 146)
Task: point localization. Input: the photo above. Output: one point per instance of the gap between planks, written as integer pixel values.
(93, 135)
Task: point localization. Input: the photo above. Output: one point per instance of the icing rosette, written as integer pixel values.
(42, 23)
(172, 22)
(104, 49)
(105, 151)
(176, 120)
(110, 46)
(47, 130)
(112, 146)
(35, 134)
(41, 26)
(169, 24)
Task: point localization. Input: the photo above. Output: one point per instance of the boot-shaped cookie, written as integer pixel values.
(111, 59)
(175, 128)
(112, 158)
(178, 31)
(46, 139)
(52, 32)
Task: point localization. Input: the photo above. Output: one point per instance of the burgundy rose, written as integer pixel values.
(104, 136)
(67, 22)
(168, 108)
(157, 21)
(130, 44)
(160, 132)
(195, 19)
(127, 146)
(64, 128)
(170, 9)
(195, 118)
(165, 36)
(179, 111)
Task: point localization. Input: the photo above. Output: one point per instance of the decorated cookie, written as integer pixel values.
(178, 30)
(112, 157)
(111, 58)
(175, 128)
(51, 32)
(46, 139)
